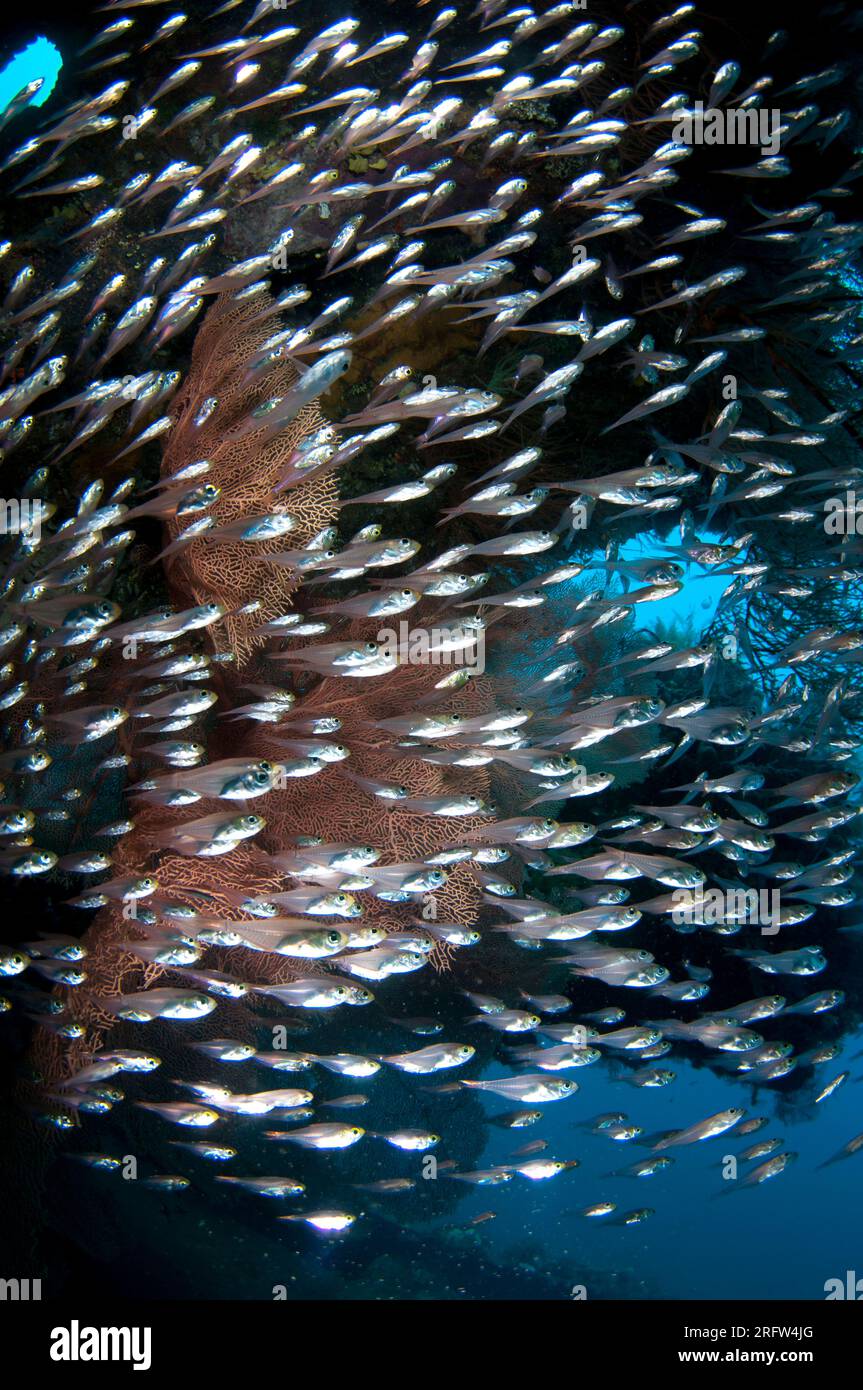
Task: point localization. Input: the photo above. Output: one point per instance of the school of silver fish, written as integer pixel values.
(510, 179)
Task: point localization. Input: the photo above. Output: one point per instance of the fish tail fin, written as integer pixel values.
(681, 748)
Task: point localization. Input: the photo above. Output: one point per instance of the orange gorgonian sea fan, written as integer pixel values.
(332, 804)
(232, 573)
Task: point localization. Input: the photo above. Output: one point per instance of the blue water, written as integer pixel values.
(41, 58)
(783, 1239)
(694, 607)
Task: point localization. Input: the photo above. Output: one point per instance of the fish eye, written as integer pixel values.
(357, 1132)
(406, 593)
(334, 938)
(266, 766)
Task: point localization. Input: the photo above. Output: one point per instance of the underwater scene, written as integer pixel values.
(431, 651)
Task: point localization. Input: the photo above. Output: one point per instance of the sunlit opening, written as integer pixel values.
(41, 58)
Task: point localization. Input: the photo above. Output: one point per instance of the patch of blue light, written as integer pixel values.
(694, 607)
(41, 58)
